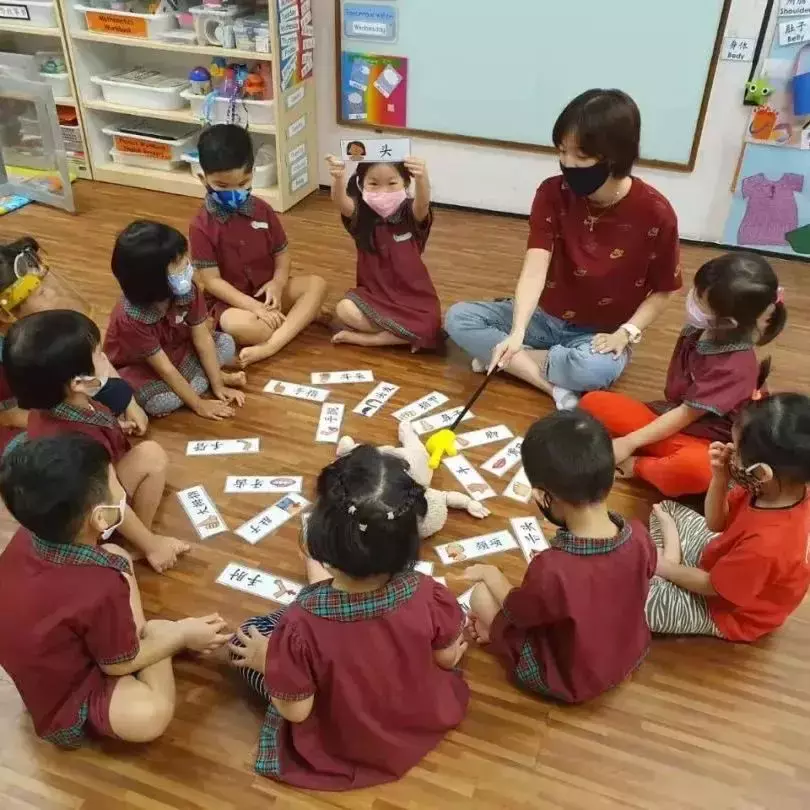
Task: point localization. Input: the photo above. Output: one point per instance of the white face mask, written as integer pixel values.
(95, 383)
(121, 507)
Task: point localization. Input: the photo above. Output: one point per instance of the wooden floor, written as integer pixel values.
(703, 724)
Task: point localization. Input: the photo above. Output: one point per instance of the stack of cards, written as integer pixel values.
(273, 517)
(201, 512)
(222, 447)
(372, 403)
(469, 478)
(259, 583)
(474, 547)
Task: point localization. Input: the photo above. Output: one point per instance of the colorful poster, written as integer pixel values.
(297, 39)
(374, 89)
(370, 22)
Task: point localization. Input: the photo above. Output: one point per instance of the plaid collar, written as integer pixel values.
(587, 546)
(151, 314)
(325, 601)
(88, 416)
(223, 214)
(76, 554)
(706, 346)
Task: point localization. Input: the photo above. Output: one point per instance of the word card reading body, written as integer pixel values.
(259, 583)
(261, 484)
(423, 405)
(504, 459)
(372, 403)
(440, 420)
(268, 521)
(529, 536)
(222, 447)
(201, 511)
(469, 478)
(341, 377)
(288, 389)
(473, 547)
(476, 438)
(330, 421)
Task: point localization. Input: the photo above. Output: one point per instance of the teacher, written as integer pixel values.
(601, 263)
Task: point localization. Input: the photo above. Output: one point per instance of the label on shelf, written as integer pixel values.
(299, 182)
(15, 12)
(136, 146)
(295, 97)
(116, 24)
(296, 127)
(297, 153)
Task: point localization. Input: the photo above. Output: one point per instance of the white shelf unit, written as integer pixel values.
(294, 133)
(23, 38)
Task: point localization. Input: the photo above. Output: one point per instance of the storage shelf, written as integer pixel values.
(65, 101)
(185, 116)
(175, 47)
(35, 30)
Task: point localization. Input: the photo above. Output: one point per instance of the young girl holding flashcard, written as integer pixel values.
(395, 302)
(338, 719)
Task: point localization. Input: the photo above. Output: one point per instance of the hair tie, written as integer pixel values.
(780, 295)
(362, 526)
(352, 509)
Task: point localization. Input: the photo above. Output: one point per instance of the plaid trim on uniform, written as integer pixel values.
(706, 346)
(385, 323)
(700, 406)
(88, 416)
(191, 370)
(325, 601)
(528, 672)
(586, 546)
(78, 554)
(152, 314)
(223, 214)
(14, 443)
(268, 762)
(73, 736)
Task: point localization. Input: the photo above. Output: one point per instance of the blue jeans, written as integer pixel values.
(478, 326)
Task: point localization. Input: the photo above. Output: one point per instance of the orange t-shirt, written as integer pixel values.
(759, 566)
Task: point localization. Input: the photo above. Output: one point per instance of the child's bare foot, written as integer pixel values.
(345, 336)
(253, 354)
(165, 552)
(627, 469)
(234, 379)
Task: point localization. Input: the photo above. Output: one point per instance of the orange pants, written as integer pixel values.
(678, 465)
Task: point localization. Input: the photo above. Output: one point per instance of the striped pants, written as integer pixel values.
(670, 608)
(265, 625)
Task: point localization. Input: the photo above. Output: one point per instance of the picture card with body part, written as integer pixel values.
(424, 567)
(259, 583)
(341, 377)
(529, 536)
(261, 484)
(469, 478)
(519, 488)
(475, 438)
(202, 513)
(330, 422)
(474, 547)
(422, 406)
(272, 518)
(222, 447)
(375, 150)
(504, 459)
(372, 402)
(464, 600)
(440, 420)
(296, 391)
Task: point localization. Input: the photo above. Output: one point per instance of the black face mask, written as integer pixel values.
(544, 506)
(586, 180)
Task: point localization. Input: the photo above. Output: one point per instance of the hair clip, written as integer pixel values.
(780, 295)
(363, 526)
(390, 515)
(352, 509)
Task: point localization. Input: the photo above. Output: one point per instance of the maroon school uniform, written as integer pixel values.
(242, 244)
(604, 261)
(394, 289)
(381, 701)
(97, 422)
(576, 626)
(718, 378)
(64, 612)
(136, 333)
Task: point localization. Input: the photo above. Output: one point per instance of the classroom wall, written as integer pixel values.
(504, 180)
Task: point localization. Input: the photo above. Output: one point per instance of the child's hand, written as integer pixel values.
(230, 396)
(477, 509)
(214, 409)
(480, 573)
(128, 426)
(614, 343)
(163, 554)
(337, 168)
(251, 651)
(137, 416)
(720, 453)
(272, 292)
(669, 532)
(416, 166)
(204, 634)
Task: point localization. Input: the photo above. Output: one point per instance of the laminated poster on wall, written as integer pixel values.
(297, 40)
(374, 89)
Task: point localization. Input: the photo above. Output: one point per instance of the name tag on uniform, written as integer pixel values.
(259, 226)
(403, 237)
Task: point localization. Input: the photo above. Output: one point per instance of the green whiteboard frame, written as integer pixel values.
(689, 166)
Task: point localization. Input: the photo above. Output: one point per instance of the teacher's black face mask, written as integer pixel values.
(585, 180)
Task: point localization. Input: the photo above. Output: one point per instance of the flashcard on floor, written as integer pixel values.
(341, 377)
(424, 405)
(260, 484)
(474, 547)
(441, 580)
(268, 521)
(330, 421)
(519, 488)
(222, 447)
(440, 420)
(464, 600)
(372, 403)
(288, 389)
(259, 583)
(529, 536)
(469, 478)
(201, 511)
(424, 567)
(476, 438)
(504, 459)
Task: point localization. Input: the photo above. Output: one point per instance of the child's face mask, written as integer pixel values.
(180, 283)
(121, 508)
(385, 203)
(695, 316)
(232, 199)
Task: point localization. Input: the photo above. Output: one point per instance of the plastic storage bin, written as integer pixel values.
(215, 26)
(141, 87)
(144, 161)
(59, 82)
(32, 12)
(242, 111)
(164, 142)
(127, 24)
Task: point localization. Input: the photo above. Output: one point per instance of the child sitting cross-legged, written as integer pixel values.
(575, 627)
(54, 364)
(73, 637)
(360, 671)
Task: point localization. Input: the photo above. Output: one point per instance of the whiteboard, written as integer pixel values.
(503, 71)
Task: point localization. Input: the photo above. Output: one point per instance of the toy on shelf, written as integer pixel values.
(200, 80)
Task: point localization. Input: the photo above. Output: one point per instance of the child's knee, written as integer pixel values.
(148, 718)
(317, 286)
(151, 457)
(349, 313)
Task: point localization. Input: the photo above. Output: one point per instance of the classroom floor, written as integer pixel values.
(702, 724)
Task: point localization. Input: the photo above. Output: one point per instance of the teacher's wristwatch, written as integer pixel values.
(633, 332)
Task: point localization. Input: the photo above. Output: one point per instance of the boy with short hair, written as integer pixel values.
(239, 250)
(72, 631)
(576, 626)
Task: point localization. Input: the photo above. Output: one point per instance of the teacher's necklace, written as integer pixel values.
(591, 219)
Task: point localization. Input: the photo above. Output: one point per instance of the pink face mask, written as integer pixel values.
(385, 203)
(695, 316)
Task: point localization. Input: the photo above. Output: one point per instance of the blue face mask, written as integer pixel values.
(180, 283)
(232, 199)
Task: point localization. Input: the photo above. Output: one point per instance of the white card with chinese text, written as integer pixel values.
(414, 410)
(475, 438)
(274, 516)
(341, 377)
(261, 484)
(222, 447)
(529, 536)
(259, 583)
(519, 488)
(424, 567)
(201, 511)
(464, 600)
(794, 31)
(469, 478)
(474, 547)
(376, 150)
(329, 423)
(794, 8)
(289, 389)
(504, 459)
(440, 420)
(375, 400)
(441, 580)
